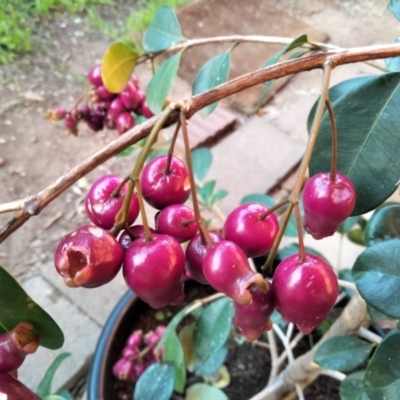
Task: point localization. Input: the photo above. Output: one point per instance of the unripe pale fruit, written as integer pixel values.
(102, 207)
(88, 257)
(253, 319)
(227, 269)
(253, 234)
(194, 254)
(154, 270)
(304, 291)
(327, 203)
(15, 345)
(161, 189)
(12, 389)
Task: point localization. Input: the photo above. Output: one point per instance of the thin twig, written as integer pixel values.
(12, 206)
(333, 374)
(348, 285)
(274, 356)
(367, 334)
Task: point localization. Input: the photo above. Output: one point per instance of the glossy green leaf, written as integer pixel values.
(377, 276)
(291, 228)
(368, 137)
(213, 327)
(384, 224)
(44, 387)
(202, 160)
(218, 196)
(163, 31)
(173, 354)
(202, 391)
(342, 353)
(258, 198)
(117, 66)
(394, 7)
(156, 383)
(213, 73)
(161, 83)
(356, 236)
(346, 225)
(382, 378)
(376, 315)
(212, 364)
(352, 387)
(393, 64)
(206, 191)
(16, 306)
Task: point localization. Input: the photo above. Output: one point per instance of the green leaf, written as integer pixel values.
(186, 338)
(368, 137)
(221, 194)
(161, 83)
(213, 327)
(163, 31)
(44, 387)
(382, 378)
(376, 315)
(202, 391)
(356, 236)
(16, 306)
(156, 383)
(212, 364)
(202, 160)
(258, 198)
(127, 152)
(377, 276)
(394, 7)
(393, 64)
(346, 225)
(384, 224)
(117, 66)
(342, 353)
(352, 387)
(213, 73)
(206, 191)
(64, 394)
(291, 228)
(173, 354)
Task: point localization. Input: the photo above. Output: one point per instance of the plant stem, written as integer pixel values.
(273, 209)
(334, 138)
(12, 206)
(348, 285)
(171, 149)
(302, 251)
(333, 374)
(274, 355)
(115, 193)
(367, 334)
(202, 302)
(143, 214)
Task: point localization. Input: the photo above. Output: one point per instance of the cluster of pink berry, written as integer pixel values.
(138, 354)
(108, 110)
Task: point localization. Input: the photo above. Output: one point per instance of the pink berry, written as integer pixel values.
(12, 389)
(327, 203)
(96, 120)
(88, 257)
(227, 269)
(195, 252)
(304, 290)
(123, 369)
(84, 112)
(71, 125)
(130, 97)
(116, 108)
(102, 206)
(146, 110)
(94, 76)
(246, 227)
(154, 270)
(102, 94)
(129, 352)
(124, 122)
(135, 339)
(162, 189)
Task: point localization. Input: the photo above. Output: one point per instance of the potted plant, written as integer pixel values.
(352, 161)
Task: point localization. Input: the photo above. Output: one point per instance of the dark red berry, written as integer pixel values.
(102, 206)
(88, 257)
(102, 106)
(246, 227)
(124, 122)
(94, 76)
(154, 270)
(15, 345)
(84, 112)
(96, 120)
(130, 97)
(116, 108)
(162, 189)
(102, 94)
(254, 318)
(136, 231)
(304, 290)
(71, 125)
(327, 203)
(12, 389)
(227, 269)
(178, 221)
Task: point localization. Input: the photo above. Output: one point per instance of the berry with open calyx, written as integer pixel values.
(102, 206)
(304, 290)
(178, 221)
(88, 257)
(13, 389)
(254, 318)
(155, 269)
(161, 189)
(15, 345)
(227, 269)
(246, 227)
(194, 254)
(124, 122)
(327, 203)
(94, 76)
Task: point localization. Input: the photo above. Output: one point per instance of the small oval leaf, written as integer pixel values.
(384, 224)
(117, 66)
(394, 7)
(377, 276)
(163, 31)
(342, 353)
(161, 83)
(156, 383)
(202, 391)
(382, 378)
(16, 306)
(202, 160)
(212, 364)
(213, 73)
(356, 236)
(352, 387)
